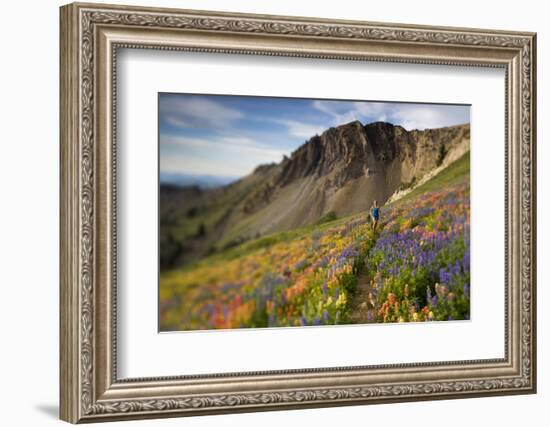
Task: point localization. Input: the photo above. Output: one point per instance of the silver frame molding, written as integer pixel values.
(90, 37)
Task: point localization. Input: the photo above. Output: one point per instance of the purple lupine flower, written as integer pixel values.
(466, 290)
(457, 268)
(300, 265)
(466, 260)
(444, 277)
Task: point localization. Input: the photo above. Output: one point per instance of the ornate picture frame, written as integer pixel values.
(90, 37)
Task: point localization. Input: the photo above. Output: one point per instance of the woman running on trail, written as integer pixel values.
(375, 214)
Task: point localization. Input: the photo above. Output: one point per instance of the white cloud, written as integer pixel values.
(195, 166)
(342, 112)
(378, 110)
(222, 156)
(196, 112)
(242, 145)
(409, 116)
(428, 116)
(339, 112)
(420, 118)
(301, 129)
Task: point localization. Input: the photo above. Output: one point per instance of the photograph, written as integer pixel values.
(279, 212)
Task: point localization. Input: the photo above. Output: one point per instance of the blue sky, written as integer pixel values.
(228, 136)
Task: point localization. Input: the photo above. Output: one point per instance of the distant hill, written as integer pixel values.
(337, 173)
(190, 180)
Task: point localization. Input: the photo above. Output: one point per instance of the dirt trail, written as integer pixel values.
(362, 310)
(362, 305)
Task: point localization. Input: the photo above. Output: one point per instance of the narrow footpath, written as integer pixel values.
(362, 306)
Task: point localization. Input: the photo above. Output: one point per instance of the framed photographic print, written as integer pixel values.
(267, 212)
(251, 237)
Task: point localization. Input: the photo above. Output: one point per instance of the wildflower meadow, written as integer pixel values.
(414, 268)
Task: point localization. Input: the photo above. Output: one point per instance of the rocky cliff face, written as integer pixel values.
(353, 150)
(347, 167)
(342, 171)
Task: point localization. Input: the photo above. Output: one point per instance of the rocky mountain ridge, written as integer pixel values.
(380, 154)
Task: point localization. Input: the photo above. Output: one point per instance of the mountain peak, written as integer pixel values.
(352, 124)
(382, 124)
(352, 150)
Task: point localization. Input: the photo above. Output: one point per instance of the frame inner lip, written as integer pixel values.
(331, 371)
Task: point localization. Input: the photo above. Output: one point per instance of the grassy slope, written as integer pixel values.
(266, 241)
